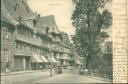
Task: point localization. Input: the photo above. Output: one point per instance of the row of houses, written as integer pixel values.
(29, 41)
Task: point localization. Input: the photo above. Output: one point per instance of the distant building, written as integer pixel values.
(51, 30)
(106, 47)
(66, 49)
(73, 55)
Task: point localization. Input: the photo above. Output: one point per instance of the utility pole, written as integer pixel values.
(50, 66)
(50, 60)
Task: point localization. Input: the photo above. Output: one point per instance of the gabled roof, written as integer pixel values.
(21, 10)
(16, 8)
(6, 16)
(49, 21)
(30, 16)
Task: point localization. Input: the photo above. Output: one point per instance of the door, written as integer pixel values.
(18, 63)
(27, 63)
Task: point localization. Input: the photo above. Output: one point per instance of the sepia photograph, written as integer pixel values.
(56, 41)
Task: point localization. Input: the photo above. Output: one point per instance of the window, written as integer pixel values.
(42, 52)
(35, 49)
(34, 35)
(17, 44)
(6, 33)
(21, 30)
(15, 7)
(5, 55)
(37, 36)
(31, 34)
(31, 48)
(24, 46)
(20, 46)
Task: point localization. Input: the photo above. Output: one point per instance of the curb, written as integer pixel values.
(11, 73)
(14, 73)
(107, 80)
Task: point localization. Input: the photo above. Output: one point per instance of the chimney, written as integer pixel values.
(38, 16)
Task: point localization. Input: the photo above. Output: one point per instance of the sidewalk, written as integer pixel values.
(23, 72)
(25, 77)
(99, 78)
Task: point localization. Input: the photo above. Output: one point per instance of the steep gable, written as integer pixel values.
(49, 22)
(17, 8)
(6, 16)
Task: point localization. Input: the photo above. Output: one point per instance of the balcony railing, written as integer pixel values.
(33, 41)
(23, 52)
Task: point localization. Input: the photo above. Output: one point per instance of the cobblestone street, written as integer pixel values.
(68, 76)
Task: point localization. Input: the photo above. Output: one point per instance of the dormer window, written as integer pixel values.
(5, 54)
(15, 7)
(22, 1)
(6, 33)
(25, 5)
(19, 19)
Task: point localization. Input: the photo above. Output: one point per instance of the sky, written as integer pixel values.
(62, 11)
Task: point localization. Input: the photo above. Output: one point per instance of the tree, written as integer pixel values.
(89, 21)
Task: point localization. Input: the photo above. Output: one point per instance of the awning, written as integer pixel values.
(52, 59)
(36, 58)
(44, 59)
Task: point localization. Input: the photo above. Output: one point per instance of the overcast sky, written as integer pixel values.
(61, 9)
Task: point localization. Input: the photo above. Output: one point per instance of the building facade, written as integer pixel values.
(65, 49)
(29, 41)
(8, 25)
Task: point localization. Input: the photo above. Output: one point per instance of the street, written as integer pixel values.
(68, 76)
(25, 78)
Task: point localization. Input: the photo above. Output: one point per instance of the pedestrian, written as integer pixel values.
(7, 67)
(79, 67)
(86, 71)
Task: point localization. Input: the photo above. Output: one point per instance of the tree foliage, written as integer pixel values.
(89, 21)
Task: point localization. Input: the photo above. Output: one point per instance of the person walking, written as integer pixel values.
(86, 72)
(7, 67)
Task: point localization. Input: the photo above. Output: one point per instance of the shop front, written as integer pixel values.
(22, 63)
(45, 62)
(36, 62)
(64, 60)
